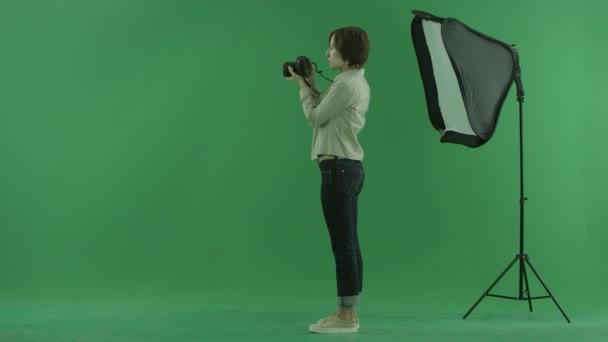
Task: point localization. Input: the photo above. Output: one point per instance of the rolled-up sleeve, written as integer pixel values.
(320, 110)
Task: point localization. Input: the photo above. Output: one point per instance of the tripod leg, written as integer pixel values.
(528, 288)
(546, 289)
(491, 286)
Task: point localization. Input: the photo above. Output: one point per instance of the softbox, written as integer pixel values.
(466, 77)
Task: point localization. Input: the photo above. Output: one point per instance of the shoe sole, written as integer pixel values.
(318, 330)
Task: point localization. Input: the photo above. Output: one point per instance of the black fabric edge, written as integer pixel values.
(426, 73)
(427, 16)
(462, 139)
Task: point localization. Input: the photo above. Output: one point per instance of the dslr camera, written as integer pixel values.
(302, 66)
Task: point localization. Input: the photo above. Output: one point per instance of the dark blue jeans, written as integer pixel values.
(341, 184)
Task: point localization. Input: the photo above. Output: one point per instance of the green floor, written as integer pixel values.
(179, 323)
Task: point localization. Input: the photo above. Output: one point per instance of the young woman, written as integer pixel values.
(337, 116)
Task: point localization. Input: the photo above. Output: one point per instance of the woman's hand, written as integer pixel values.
(299, 79)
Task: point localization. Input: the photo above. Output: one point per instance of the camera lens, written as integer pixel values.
(286, 71)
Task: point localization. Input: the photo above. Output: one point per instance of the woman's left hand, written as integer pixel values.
(295, 77)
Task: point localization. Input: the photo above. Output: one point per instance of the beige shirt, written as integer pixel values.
(338, 115)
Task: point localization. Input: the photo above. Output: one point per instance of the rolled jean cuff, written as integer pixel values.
(349, 300)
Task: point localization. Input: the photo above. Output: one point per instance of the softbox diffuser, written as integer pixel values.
(466, 77)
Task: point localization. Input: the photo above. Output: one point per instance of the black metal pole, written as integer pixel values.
(523, 258)
(522, 198)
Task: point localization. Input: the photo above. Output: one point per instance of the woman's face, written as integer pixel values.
(334, 57)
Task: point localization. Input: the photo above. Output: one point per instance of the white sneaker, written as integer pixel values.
(334, 325)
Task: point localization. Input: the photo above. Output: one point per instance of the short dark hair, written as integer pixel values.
(353, 44)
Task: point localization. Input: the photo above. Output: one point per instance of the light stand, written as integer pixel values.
(523, 294)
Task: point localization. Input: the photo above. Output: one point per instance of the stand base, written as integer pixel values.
(523, 295)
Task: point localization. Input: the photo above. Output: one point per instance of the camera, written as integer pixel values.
(302, 66)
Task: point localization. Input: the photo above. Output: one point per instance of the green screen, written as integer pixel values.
(153, 151)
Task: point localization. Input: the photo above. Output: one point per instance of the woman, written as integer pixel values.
(337, 116)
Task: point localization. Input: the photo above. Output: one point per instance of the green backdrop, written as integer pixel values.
(153, 150)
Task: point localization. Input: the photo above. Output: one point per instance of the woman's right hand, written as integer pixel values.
(300, 80)
(311, 78)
